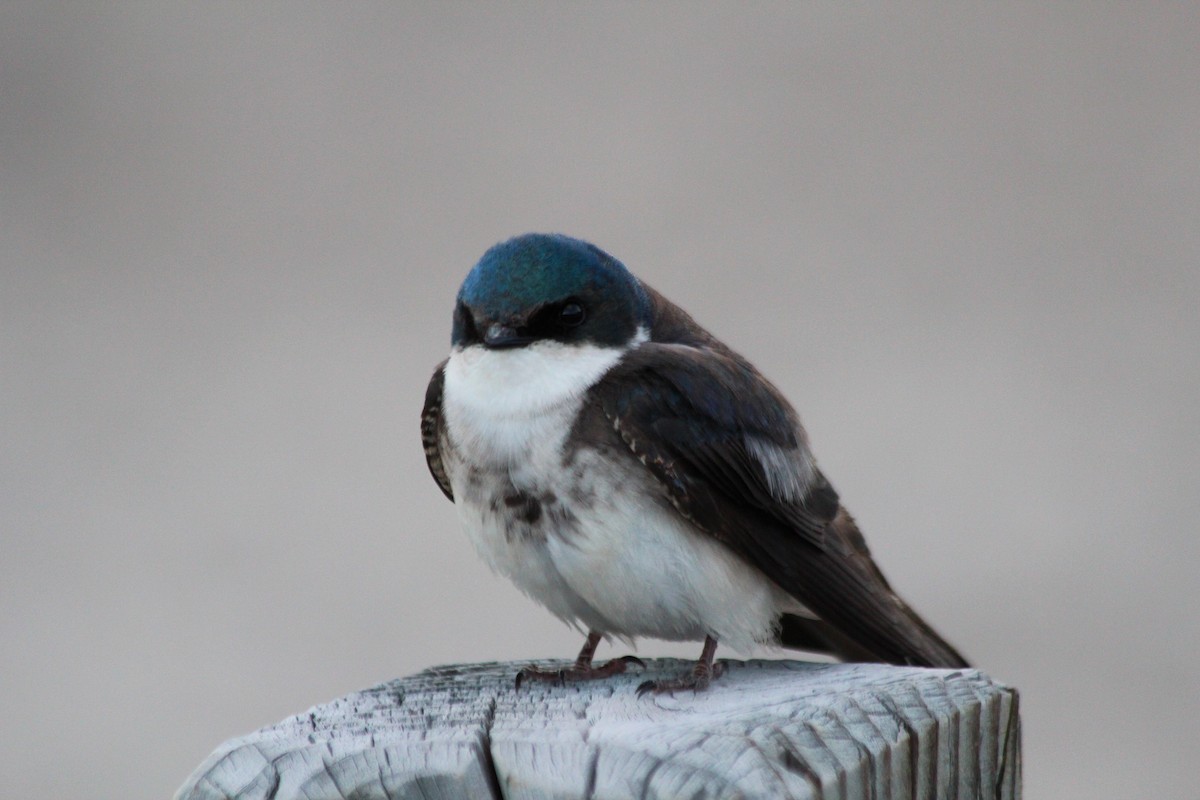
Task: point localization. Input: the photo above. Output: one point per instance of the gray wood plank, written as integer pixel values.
(766, 729)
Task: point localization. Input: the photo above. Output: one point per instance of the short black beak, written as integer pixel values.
(500, 337)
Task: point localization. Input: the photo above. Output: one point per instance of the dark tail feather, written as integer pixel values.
(815, 636)
(861, 618)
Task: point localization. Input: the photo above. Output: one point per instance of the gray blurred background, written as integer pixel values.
(965, 243)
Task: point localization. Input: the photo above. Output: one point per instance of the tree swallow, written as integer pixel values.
(637, 477)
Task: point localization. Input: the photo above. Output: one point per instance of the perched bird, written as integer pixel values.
(637, 477)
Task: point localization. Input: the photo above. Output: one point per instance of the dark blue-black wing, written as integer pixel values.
(431, 430)
(731, 456)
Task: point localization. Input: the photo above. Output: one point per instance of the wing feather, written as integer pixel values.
(732, 458)
(431, 430)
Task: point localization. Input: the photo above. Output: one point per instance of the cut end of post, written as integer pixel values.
(764, 729)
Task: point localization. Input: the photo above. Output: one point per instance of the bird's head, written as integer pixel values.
(548, 287)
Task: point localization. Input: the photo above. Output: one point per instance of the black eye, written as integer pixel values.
(571, 315)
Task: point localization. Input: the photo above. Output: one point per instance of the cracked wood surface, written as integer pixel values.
(766, 729)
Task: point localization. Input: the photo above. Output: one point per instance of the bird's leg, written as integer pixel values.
(583, 669)
(697, 680)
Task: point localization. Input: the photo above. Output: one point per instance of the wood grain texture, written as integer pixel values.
(766, 729)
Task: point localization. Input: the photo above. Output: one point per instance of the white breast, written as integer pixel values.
(643, 570)
(615, 557)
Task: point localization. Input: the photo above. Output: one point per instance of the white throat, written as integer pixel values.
(497, 401)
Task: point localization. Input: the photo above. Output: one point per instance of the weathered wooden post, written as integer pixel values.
(766, 729)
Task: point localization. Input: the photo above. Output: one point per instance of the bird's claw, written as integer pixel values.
(560, 677)
(697, 681)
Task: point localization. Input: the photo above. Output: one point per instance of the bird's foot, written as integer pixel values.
(579, 672)
(697, 680)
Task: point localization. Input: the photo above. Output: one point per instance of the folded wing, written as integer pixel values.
(731, 456)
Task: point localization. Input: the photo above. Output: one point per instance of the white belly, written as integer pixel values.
(591, 539)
